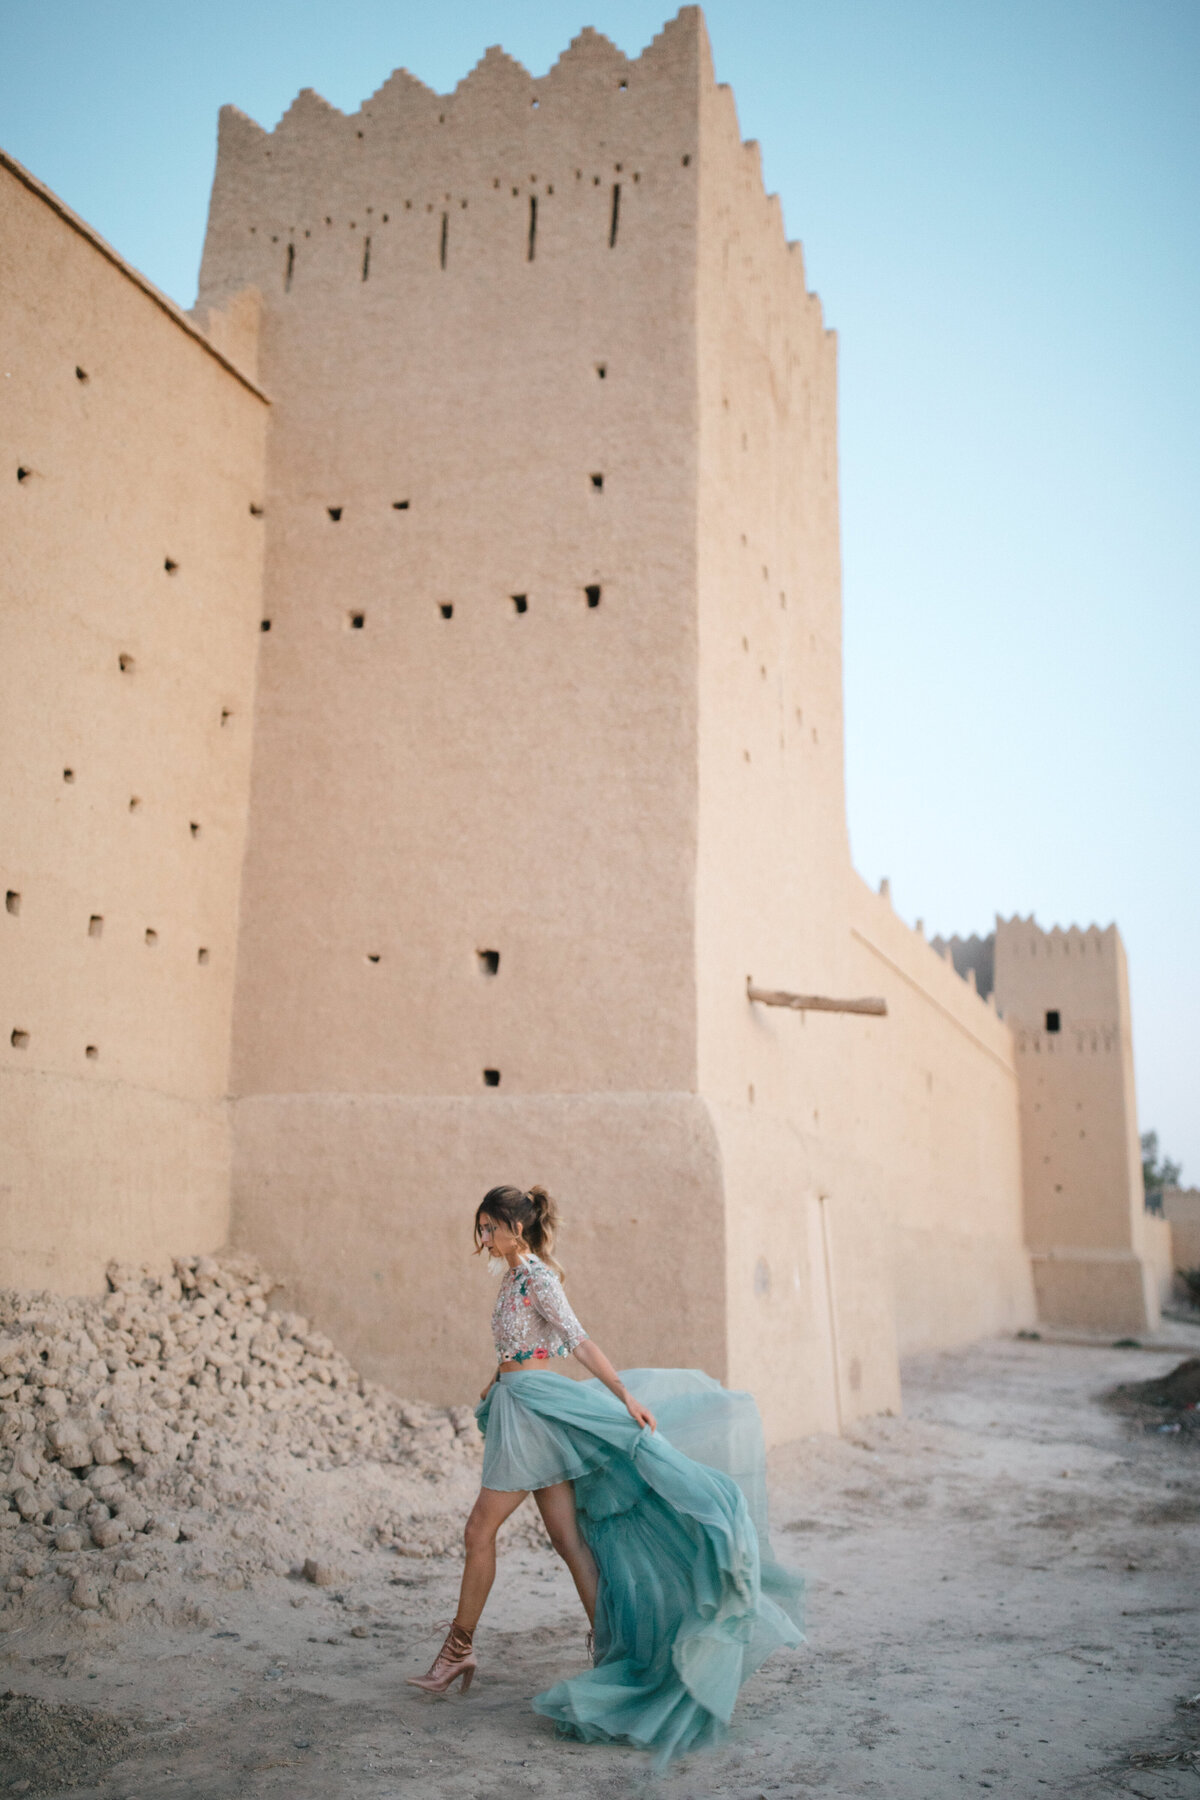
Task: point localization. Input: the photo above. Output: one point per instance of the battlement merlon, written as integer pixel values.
(596, 118)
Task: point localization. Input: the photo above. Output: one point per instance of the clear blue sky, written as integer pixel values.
(999, 205)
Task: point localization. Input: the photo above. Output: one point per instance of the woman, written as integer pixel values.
(664, 1532)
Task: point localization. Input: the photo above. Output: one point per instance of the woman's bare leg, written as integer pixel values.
(557, 1507)
(487, 1516)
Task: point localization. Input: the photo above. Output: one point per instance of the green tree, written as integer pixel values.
(1157, 1175)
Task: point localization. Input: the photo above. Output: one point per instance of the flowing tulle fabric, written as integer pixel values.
(690, 1600)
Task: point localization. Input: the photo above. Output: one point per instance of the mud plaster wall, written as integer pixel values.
(132, 573)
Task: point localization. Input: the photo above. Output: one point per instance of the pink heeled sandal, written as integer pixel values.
(454, 1661)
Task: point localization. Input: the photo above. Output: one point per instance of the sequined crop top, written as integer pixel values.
(532, 1318)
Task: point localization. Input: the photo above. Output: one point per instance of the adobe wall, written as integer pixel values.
(872, 1165)
(479, 330)
(1066, 996)
(132, 453)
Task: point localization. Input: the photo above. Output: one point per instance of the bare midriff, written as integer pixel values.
(515, 1368)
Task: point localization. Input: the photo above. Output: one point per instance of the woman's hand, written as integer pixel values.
(640, 1414)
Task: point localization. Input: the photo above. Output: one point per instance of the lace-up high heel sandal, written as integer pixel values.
(455, 1659)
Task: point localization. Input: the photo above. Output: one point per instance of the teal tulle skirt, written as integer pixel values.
(690, 1601)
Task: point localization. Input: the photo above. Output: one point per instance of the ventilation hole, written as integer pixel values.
(489, 962)
(125, 664)
(366, 262)
(595, 181)
(521, 602)
(23, 474)
(335, 512)
(598, 483)
(256, 512)
(12, 902)
(491, 1077)
(68, 776)
(202, 955)
(622, 87)
(385, 218)
(372, 956)
(616, 214)
(170, 566)
(194, 828)
(637, 175)
(445, 236)
(446, 609)
(535, 104)
(1053, 1021)
(516, 193)
(399, 505)
(91, 1052)
(135, 800)
(264, 625)
(226, 715)
(20, 1041)
(289, 269)
(151, 936)
(96, 925)
(686, 161)
(80, 374)
(357, 621)
(549, 187)
(602, 371)
(593, 595)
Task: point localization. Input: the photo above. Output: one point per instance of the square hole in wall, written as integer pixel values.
(96, 925)
(597, 483)
(91, 1052)
(489, 962)
(20, 1041)
(23, 474)
(1053, 1021)
(446, 609)
(399, 505)
(264, 625)
(491, 1077)
(256, 511)
(68, 776)
(12, 902)
(335, 513)
(170, 566)
(593, 595)
(202, 955)
(151, 936)
(521, 602)
(372, 956)
(126, 664)
(602, 371)
(356, 620)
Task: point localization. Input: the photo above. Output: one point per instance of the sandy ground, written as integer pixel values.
(1005, 1594)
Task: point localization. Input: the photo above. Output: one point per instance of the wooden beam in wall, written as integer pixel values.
(814, 1002)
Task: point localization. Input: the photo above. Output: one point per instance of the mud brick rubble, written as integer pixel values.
(180, 1435)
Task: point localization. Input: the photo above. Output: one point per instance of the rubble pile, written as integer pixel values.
(180, 1430)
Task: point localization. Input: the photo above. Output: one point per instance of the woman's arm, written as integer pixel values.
(595, 1361)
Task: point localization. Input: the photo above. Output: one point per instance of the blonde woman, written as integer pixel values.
(663, 1530)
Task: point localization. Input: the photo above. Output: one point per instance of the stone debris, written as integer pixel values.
(180, 1431)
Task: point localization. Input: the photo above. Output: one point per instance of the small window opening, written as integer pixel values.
(521, 602)
(593, 595)
(399, 505)
(335, 512)
(20, 1041)
(125, 664)
(290, 269)
(23, 474)
(446, 609)
(535, 104)
(68, 776)
(489, 962)
(616, 214)
(194, 828)
(256, 512)
(357, 621)
(264, 625)
(602, 371)
(445, 236)
(491, 1077)
(366, 262)
(372, 956)
(202, 955)
(151, 936)
(12, 902)
(529, 255)
(91, 1052)
(598, 483)
(135, 800)
(622, 87)
(1053, 1021)
(96, 925)
(80, 374)
(170, 566)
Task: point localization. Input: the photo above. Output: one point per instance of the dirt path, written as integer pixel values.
(1005, 1595)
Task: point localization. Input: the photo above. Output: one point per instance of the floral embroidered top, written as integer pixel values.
(532, 1318)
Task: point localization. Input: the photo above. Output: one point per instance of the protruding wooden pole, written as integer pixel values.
(814, 1002)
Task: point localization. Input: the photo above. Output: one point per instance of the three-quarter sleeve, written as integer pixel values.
(548, 1297)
